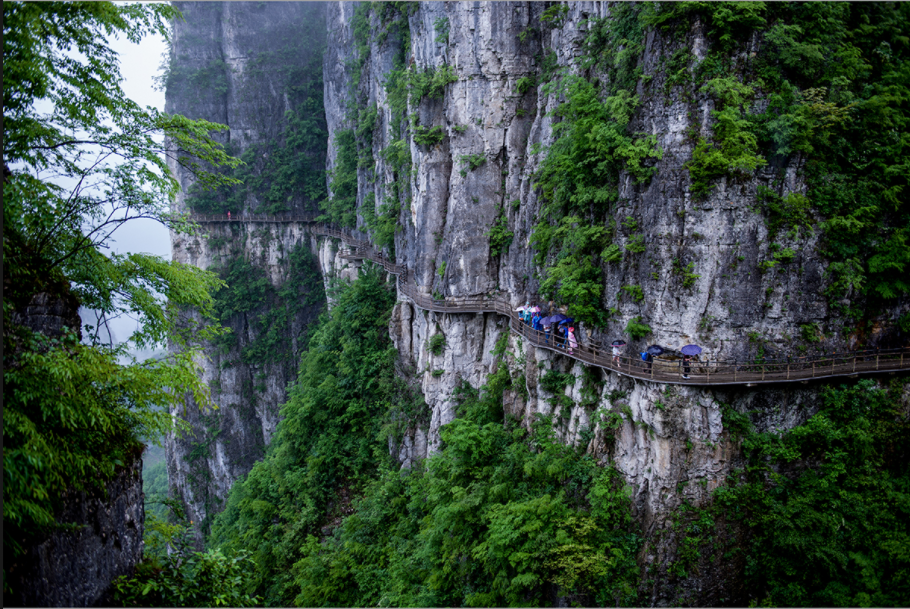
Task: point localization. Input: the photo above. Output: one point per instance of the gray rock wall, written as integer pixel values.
(75, 568)
(243, 65)
(671, 446)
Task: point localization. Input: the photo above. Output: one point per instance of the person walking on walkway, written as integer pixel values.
(229, 216)
(559, 336)
(535, 322)
(573, 343)
(686, 368)
(546, 335)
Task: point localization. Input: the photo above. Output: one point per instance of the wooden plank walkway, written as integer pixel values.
(802, 369)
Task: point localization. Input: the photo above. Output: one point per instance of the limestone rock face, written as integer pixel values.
(671, 445)
(243, 65)
(699, 274)
(75, 568)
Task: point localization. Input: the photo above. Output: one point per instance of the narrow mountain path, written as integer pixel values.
(712, 372)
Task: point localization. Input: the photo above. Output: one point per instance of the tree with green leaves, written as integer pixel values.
(80, 160)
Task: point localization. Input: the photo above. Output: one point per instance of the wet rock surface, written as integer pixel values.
(75, 568)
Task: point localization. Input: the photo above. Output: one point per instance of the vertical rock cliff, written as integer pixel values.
(453, 159)
(438, 118)
(257, 68)
(75, 568)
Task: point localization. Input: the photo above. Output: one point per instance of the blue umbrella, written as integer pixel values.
(567, 320)
(655, 350)
(690, 350)
(618, 343)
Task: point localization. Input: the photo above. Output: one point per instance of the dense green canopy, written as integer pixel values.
(80, 159)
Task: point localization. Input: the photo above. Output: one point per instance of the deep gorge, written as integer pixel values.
(670, 173)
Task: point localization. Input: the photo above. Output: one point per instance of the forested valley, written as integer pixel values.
(350, 402)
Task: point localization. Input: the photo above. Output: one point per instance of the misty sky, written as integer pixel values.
(139, 63)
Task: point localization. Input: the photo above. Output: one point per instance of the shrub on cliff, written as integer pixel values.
(174, 575)
(326, 444)
(500, 516)
(825, 506)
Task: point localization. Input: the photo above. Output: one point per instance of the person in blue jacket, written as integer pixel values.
(535, 322)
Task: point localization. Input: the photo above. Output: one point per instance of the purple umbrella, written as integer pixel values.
(547, 321)
(690, 350)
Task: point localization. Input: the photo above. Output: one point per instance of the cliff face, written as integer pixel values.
(454, 154)
(672, 446)
(75, 568)
(255, 67)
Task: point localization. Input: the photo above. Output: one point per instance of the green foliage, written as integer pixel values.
(441, 271)
(155, 488)
(498, 517)
(429, 83)
(384, 225)
(555, 15)
(473, 161)
(526, 33)
(437, 344)
(574, 278)
(525, 84)
(72, 417)
(500, 235)
(612, 253)
(811, 333)
(428, 137)
(341, 206)
(688, 277)
(636, 244)
(83, 159)
(792, 211)
(579, 177)
(635, 292)
(326, 442)
(735, 148)
(288, 170)
(441, 27)
(832, 75)
(833, 530)
(636, 329)
(268, 310)
(184, 578)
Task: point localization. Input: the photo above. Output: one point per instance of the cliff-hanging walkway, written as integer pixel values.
(713, 372)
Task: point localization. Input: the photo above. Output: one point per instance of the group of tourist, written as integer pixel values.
(557, 325)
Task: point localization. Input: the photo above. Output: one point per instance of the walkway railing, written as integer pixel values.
(673, 370)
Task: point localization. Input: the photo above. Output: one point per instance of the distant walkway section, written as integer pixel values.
(712, 372)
